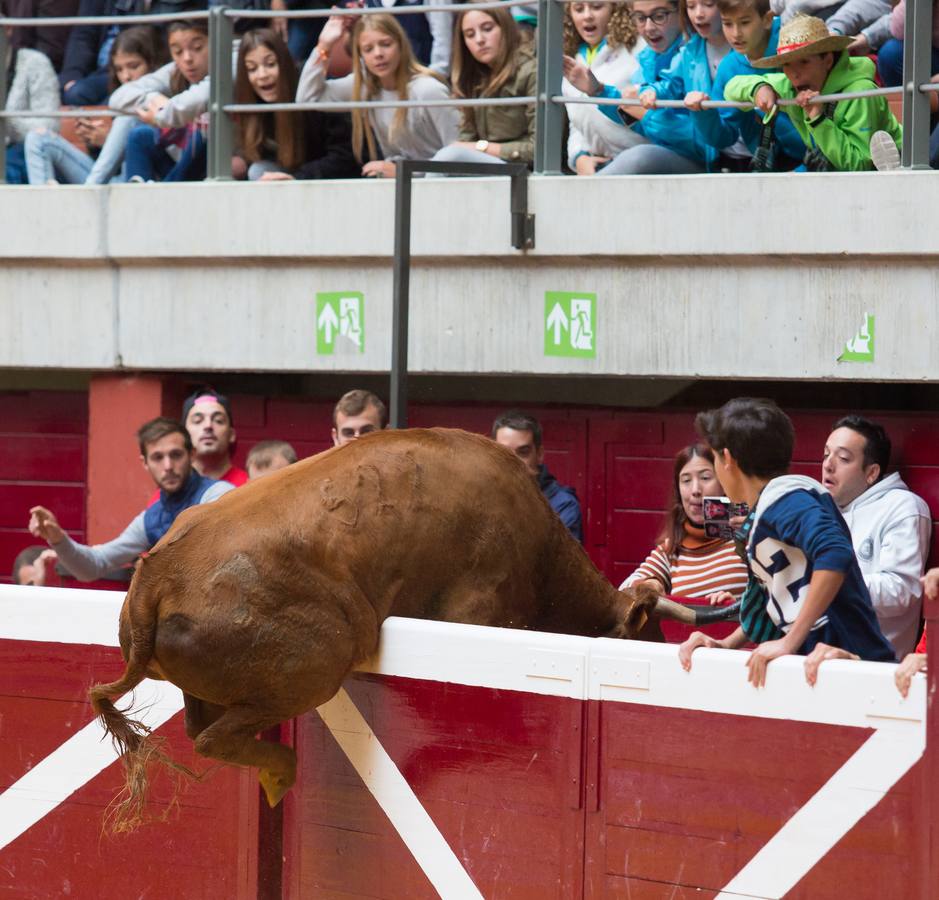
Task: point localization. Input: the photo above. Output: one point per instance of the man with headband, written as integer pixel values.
(207, 417)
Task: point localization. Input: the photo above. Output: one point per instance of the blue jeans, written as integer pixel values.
(49, 157)
(145, 157)
(890, 62)
(92, 90)
(16, 164)
(650, 159)
(302, 35)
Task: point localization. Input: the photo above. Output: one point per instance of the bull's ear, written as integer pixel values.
(639, 601)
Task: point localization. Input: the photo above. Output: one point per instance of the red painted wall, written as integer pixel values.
(618, 461)
(43, 461)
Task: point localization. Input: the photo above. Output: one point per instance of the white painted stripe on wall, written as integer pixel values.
(396, 797)
(74, 763)
(855, 789)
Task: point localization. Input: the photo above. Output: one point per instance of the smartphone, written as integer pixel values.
(718, 511)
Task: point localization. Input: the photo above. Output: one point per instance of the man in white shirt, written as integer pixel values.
(890, 525)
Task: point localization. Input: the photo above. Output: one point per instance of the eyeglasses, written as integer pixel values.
(658, 16)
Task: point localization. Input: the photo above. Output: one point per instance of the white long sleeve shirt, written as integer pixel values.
(890, 530)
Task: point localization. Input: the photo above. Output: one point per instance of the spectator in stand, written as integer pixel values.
(867, 20)
(430, 33)
(890, 51)
(357, 413)
(798, 546)
(685, 562)
(208, 419)
(603, 38)
(31, 87)
(490, 61)
(383, 68)
(84, 75)
(284, 146)
(29, 567)
(660, 25)
(890, 526)
(50, 159)
(693, 70)
(167, 455)
(269, 456)
(814, 62)
(47, 40)
(521, 433)
(752, 32)
(172, 102)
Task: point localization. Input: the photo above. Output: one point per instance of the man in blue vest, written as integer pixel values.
(521, 433)
(167, 454)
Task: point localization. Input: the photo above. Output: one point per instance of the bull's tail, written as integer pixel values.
(132, 739)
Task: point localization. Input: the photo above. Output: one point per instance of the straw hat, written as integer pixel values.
(802, 36)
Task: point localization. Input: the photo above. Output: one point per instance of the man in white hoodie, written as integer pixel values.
(890, 526)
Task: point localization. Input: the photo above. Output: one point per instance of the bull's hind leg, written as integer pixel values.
(231, 738)
(199, 715)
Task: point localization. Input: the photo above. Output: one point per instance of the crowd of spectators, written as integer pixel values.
(644, 51)
(828, 568)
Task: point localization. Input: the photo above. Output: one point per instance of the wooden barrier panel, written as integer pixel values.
(472, 762)
(58, 774)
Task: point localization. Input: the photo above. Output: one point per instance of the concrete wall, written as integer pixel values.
(715, 276)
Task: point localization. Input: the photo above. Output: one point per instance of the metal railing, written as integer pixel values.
(549, 101)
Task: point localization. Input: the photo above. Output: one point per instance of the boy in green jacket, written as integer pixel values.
(814, 62)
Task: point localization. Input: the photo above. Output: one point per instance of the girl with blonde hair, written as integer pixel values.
(383, 68)
(489, 60)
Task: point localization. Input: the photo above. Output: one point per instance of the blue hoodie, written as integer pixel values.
(689, 71)
(669, 128)
(724, 127)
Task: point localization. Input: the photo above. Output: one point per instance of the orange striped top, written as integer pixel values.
(698, 571)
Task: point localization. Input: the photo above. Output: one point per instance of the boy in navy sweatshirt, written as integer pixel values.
(798, 546)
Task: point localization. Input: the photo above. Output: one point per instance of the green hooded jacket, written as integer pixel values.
(845, 136)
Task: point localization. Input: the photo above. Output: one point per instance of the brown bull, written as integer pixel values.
(258, 606)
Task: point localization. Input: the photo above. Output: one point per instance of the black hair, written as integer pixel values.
(876, 442)
(518, 421)
(758, 434)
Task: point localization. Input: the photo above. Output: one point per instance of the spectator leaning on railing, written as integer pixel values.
(282, 146)
(51, 159)
(813, 62)
(603, 38)
(489, 61)
(31, 87)
(752, 32)
(171, 145)
(383, 68)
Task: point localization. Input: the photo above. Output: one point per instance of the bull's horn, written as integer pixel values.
(694, 615)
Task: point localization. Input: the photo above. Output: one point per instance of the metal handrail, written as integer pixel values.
(343, 105)
(370, 10)
(156, 18)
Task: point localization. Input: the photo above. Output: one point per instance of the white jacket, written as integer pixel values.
(890, 529)
(591, 131)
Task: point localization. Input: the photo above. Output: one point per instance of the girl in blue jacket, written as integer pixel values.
(678, 149)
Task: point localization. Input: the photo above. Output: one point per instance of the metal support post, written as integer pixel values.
(917, 69)
(221, 143)
(4, 68)
(549, 116)
(523, 238)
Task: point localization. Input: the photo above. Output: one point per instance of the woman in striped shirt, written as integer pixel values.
(684, 562)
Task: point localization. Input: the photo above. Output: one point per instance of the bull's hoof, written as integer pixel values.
(275, 786)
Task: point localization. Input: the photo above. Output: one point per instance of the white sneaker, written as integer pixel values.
(884, 152)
